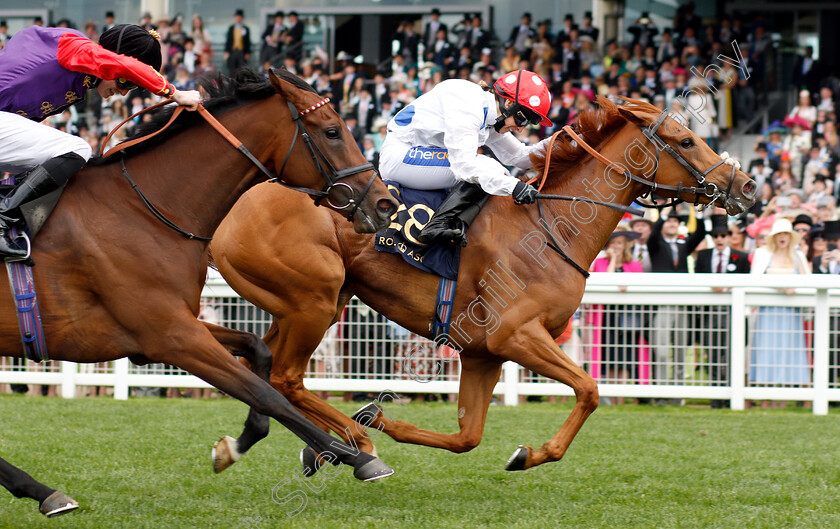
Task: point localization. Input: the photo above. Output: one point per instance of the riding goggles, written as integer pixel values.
(524, 116)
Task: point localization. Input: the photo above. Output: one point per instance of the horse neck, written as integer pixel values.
(203, 174)
(582, 229)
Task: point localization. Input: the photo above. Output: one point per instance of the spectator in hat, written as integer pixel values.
(804, 109)
(475, 37)
(237, 43)
(620, 325)
(643, 226)
(146, 22)
(565, 32)
(713, 322)
(431, 28)
(778, 342)
(643, 30)
(408, 42)
(806, 72)
(293, 40)
(109, 21)
(588, 29)
(669, 253)
(272, 38)
(522, 37)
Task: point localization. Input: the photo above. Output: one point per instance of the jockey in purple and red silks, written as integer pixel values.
(45, 70)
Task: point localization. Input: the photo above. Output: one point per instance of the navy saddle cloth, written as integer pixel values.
(416, 208)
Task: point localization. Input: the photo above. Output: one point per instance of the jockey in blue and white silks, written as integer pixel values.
(433, 142)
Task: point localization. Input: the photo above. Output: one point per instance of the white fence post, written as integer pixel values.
(68, 379)
(121, 379)
(821, 330)
(737, 350)
(511, 376)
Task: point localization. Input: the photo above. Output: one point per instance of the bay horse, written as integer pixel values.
(516, 319)
(115, 281)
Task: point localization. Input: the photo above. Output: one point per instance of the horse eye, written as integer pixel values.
(332, 134)
(687, 143)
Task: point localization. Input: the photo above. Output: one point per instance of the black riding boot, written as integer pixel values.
(40, 181)
(454, 215)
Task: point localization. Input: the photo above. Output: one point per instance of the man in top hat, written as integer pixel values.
(713, 323)
(272, 38)
(294, 36)
(828, 262)
(643, 226)
(432, 27)
(109, 21)
(475, 38)
(565, 32)
(237, 43)
(522, 36)
(669, 254)
(588, 29)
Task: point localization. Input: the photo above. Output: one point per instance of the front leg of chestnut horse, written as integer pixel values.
(197, 352)
(228, 450)
(22, 485)
(532, 347)
(478, 379)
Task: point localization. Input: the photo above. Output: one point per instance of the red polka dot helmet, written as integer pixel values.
(530, 93)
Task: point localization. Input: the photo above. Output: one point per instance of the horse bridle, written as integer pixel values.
(708, 189)
(331, 179)
(329, 173)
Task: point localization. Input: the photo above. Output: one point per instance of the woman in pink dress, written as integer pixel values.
(621, 324)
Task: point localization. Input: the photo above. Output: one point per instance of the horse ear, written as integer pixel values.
(284, 88)
(634, 116)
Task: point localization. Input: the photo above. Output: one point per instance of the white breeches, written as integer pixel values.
(25, 144)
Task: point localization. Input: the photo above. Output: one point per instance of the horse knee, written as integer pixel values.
(466, 442)
(587, 395)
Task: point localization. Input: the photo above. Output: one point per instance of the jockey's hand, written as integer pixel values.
(187, 98)
(524, 193)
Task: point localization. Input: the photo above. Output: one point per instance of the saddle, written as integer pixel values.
(400, 237)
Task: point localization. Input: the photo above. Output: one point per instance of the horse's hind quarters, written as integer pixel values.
(58, 503)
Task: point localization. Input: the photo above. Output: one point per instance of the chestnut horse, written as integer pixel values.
(114, 281)
(516, 319)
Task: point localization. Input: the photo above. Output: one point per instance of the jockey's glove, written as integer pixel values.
(524, 193)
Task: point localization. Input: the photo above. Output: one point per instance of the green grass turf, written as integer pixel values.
(145, 463)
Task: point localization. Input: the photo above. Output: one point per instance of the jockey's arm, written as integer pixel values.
(80, 54)
(461, 142)
(511, 151)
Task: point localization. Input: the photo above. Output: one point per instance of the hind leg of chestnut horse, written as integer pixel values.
(249, 346)
(199, 353)
(532, 347)
(22, 485)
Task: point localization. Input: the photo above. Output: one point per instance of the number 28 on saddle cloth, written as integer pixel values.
(416, 209)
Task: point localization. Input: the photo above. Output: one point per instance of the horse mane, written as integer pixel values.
(223, 94)
(594, 125)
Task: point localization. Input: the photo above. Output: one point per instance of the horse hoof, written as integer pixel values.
(224, 453)
(58, 503)
(518, 460)
(307, 460)
(366, 413)
(373, 470)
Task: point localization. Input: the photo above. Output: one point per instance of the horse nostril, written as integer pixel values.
(386, 207)
(749, 189)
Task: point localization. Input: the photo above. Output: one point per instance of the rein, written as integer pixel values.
(331, 179)
(708, 189)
